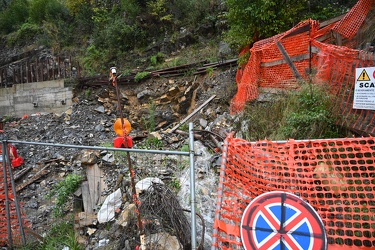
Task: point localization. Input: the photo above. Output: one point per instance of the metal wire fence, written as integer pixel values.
(109, 194)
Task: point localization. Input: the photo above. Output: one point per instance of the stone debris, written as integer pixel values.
(89, 121)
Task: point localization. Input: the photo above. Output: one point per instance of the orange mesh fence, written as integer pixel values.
(307, 47)
(335, 176)
(350, 24)
(13, 220)
(337, 67)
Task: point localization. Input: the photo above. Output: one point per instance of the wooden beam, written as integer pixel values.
(86, 198)
(330, 21)
(282, 61)
(193, 113)
(289, 61)
(299, 30)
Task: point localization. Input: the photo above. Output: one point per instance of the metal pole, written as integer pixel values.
(131, 169)
(192, 187)
(134, 150)
(4, 145)
(18, 209)
(220, 192)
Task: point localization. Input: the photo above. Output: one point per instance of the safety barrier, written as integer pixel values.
(335, 176)
(160, 207)
(9, 217)
(308, 50)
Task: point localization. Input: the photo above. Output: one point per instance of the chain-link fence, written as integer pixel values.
(124, 197)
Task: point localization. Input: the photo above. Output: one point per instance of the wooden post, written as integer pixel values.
(21, 72)
(59, 69)
(1, 76)
(27, 69)
(289, 61)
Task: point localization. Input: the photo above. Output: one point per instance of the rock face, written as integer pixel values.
(89, 122)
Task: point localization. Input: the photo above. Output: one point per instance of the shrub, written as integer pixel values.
(141, 75)
(63, 190)
(156, 59)
(47, 10)
(14, 16)
(309, 113)
(312, 114)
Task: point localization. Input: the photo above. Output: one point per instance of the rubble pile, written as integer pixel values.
(89, 122)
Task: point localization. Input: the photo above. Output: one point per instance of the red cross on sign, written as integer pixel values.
(279, 220)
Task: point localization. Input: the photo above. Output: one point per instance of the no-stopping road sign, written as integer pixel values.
(279, 220)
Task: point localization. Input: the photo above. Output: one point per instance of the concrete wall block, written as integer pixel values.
(31, 98)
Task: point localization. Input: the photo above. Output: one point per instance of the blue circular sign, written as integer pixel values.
(279, 220)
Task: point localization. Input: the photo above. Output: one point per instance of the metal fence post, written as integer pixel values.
(192, 186)
(7, 209)
(13, 184)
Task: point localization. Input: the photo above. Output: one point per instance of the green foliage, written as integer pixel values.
(158, 9)
(131, 8)
(60, 235)
(141, 75)
(27, 32)
(175, 185)
(250, 21)
(243, 59)
(306, 114)
(47, 10)
(156, 59)
(93, 60)
(325, 9)
(87, 93)
(185, 127)
(151, 143)
(113, 37)
(210, 71)
(263, 120)
(4, 4)
(185, 148)
(14, 16)
(311, 114)
(63, 190)
(8, 118)
(74, 6)
(151, 123)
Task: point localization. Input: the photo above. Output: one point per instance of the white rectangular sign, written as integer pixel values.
(364, 90)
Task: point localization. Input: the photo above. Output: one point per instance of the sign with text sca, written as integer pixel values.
(364, 90)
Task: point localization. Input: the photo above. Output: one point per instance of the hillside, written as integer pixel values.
(89, 122)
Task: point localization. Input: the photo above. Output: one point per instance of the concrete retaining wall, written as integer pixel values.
(31, 98)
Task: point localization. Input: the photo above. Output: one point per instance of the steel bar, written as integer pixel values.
(134, 150)
(192, 187)
(7, 209)
(13, 184)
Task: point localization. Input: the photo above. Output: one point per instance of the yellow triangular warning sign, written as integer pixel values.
(363, 76)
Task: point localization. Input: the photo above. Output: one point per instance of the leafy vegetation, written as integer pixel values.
(63, 190)
(102, 33)
(258, 19)
(141, 75)
(60, 235)
(309, 113)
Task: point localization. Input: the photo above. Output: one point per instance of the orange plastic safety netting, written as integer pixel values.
(335, 176)
(282, 61)
(350, 24)
(12, 221)
(337, 68)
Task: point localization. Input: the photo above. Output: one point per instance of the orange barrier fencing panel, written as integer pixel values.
(13, 220)
(335, 176)
(350, 24)
(286, 59)
(337, 68)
